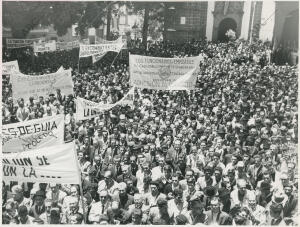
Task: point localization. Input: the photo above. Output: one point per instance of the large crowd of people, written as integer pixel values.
(222, 154)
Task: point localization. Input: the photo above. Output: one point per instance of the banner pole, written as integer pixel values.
(78, 64)
(80, 185)
(115, 58)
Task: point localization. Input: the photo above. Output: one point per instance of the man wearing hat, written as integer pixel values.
(38, 210)
(215, 216)
(275, 210)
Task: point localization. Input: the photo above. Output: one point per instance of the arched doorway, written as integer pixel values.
(224, 26)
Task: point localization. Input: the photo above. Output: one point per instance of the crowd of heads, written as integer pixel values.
(224, 153)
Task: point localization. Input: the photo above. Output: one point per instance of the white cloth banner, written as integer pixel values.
(163, 73)
(90, 50)
(33, 134)
(10, 67)
(86, 109)
(24, 86)
(67, 45)
(20, 43)
(44, 47)
(56, 164)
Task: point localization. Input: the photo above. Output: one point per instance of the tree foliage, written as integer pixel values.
(22, 17)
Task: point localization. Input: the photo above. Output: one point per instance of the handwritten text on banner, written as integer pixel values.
(164, 73)
(25, 86)
(56, 164)
(33, 134)
(10, 67)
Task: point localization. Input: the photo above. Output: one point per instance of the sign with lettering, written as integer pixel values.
(86, 109)
(33, 134)
(99, 49)
(56, 164)
(20, 43)
(67, 45)
(163, 73)
(10, 67)
(25, 86)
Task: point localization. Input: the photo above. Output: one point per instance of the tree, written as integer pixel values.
(152, 11)
(22, 17)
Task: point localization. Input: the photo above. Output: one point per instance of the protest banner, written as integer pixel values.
(163, 73)
(86, 109)
(20, 43)
(44, 46)
(10, 67)
(25, 86)
(99, 49)
(33, 134)
(119, 40)
(67, 45)
(56, 164)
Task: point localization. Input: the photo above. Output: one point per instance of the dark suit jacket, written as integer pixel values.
(33, 212)
(129, 201)
(222, 219)
(290, 206)
(258, 174)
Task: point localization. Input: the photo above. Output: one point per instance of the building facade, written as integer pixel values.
(249, 19)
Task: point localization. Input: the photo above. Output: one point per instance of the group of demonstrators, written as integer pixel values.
(224, 153)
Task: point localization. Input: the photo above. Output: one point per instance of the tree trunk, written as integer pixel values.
(108, 22)
(145, 26)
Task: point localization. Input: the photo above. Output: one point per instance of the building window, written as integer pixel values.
(182, 20)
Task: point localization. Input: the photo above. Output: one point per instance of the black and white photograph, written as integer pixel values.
(150, 112)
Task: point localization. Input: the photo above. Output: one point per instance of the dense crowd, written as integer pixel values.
(223, 154)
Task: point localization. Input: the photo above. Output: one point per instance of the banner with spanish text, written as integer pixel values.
(99, 49)
(163, 73)
(25, 86)
(86, 109)
(67, 45)
(10, 67)
(20, 43)
(33, 134)
(56, 164)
